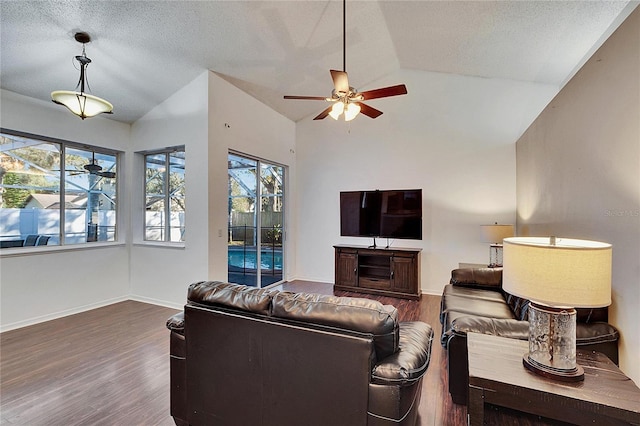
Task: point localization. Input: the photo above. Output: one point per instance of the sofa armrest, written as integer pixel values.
(486, 278)
(511, 328)
(596, 332)
(176, 323)
(410, 362)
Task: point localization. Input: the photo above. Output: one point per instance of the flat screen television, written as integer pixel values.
(384, 214)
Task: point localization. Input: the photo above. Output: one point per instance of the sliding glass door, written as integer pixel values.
(256, 221)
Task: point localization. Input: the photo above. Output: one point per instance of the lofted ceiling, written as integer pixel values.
(144, 51)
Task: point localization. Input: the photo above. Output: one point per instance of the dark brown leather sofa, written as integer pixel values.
(474, 302)
(246, 356)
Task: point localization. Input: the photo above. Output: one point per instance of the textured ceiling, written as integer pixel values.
(143, 51)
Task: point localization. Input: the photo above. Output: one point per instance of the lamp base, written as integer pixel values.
(552, 343)
(574, 375)
(495, 256)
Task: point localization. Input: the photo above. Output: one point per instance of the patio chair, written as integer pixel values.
(43, 240)
(31, 240)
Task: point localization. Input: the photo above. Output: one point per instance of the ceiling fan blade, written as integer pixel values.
(323, 114)
(108, 175)
(385, 92)
(310, 98)
(369, 111)
(340, 81)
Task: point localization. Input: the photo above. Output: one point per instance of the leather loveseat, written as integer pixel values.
(246, 356)
(474, 301)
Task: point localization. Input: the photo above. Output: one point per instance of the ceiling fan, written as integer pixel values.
(344, 98)
(94, 169)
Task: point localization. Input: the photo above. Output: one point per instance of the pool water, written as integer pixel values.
(269, 260)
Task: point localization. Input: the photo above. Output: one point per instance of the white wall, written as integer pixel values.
(210, 116)
(579, 172)
(56, 282)
(241, 123)
(161, 273)
(452, 136)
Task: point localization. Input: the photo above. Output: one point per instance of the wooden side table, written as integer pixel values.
(497, 376)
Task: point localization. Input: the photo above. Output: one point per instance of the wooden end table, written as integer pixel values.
(497, 376)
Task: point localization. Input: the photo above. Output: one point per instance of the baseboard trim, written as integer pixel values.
(60, 314)
(178, 306)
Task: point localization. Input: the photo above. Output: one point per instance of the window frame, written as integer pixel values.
(166, 231)
(65, 145)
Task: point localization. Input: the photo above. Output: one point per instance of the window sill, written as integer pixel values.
(159, 244)
(22, 251)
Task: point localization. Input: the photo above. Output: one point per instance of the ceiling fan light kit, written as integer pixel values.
(347, 100)
(80, 103)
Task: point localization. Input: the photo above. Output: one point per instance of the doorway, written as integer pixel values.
(256, 221)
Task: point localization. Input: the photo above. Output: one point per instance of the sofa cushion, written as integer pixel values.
(411, 360)
(511, 328)
(589, 315)
(470, 306)
(470, 293)
(473, 293)
(519, 306)
(463, 319)
(216, 293)
(349, 313)
(477, 277)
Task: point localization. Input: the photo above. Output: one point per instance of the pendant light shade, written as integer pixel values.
(78, 102)
(82, 104)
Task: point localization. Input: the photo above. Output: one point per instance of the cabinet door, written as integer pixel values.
(346, 268)
(403, 274)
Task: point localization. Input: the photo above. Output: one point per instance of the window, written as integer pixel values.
(164, 195)
(256, 221)
(55, 192)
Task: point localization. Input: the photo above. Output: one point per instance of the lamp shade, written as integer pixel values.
(495, 233)
(569, 273)
(81, 104)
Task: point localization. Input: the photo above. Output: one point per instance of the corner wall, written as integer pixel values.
(239, 122)
(161, 273)
(56, 282)
(209, 116)
(578, 172)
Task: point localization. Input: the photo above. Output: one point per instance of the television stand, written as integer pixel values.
(374, 244)
(383, 271)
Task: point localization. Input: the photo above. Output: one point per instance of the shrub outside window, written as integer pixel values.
(55, 192)
(165, 195)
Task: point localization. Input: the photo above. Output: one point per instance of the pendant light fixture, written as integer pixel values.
(80, 103)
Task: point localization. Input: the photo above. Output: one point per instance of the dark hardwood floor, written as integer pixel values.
(110, 366)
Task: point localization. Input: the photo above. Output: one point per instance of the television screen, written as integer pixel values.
(387, 214)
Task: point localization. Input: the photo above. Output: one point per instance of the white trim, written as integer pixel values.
(178, 306)
(22, 251)
(161, 244)
(61, 314)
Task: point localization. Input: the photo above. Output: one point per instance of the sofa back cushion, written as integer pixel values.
(519, 306)
(234, 296)
(490, 278)
(348, 313)
(590, 315)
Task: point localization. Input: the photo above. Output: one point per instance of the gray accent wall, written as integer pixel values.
(578, 172)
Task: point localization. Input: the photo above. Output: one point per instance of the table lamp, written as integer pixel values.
(556, 275)
(494, 234)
